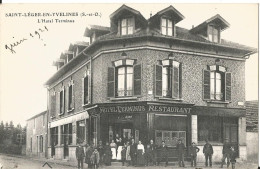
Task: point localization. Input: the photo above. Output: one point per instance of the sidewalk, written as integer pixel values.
(118, 165)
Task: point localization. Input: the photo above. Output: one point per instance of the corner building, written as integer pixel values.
(151, 79)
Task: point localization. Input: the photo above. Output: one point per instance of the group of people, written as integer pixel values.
(136, 154)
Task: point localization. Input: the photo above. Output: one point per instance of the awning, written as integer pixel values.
(69, 119)
(219, 111)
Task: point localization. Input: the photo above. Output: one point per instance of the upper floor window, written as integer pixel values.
(85, 88)
(166, 26)
(62, 101)
(69, 56)
(124, 79)
(70, 96)
(213, 34)
(127, 26)
(217, 84)
(53, 104)
(168, 79)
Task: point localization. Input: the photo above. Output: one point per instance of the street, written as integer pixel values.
(22, 162)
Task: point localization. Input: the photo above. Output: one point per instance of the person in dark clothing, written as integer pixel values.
(95, 158)
(148, 155)
(164, 154)
(153, 148)
(226, 153)
(180, 149)
(89, 151)
(133, 152)
(193, 153)
(107, 156)
(233, 157)
(123, 155)
(80, 156)
(208, 151)
(100, 149)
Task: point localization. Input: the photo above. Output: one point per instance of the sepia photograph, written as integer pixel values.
(129, 85)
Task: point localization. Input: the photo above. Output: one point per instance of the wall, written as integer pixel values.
(252, 145)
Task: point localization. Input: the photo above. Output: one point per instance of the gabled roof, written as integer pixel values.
(79, 43)
(92, 28)
(169, 11)
(37, 115)
(217, 19)
(115, 15)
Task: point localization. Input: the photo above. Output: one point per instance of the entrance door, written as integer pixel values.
(231, 134)
(123, 129)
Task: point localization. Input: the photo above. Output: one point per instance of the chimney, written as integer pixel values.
(151, 14)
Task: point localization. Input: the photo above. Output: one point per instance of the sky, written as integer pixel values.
(23, 73)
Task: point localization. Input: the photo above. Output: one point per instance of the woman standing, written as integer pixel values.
(119, 149)
(140, 154)
(113, 147)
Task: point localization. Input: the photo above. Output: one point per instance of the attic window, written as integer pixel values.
(213, 34)
(166, 26)
(127, 26)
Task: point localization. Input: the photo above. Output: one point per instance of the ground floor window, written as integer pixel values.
(41, 143)
(217, 129)
(170, 137)
(54, 136)
(66, 134)
(81, 131)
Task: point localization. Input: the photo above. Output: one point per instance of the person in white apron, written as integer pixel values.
(113, 149)
(119, 149)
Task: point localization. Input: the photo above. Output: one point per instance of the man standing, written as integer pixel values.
(133, 152)
(226, 153)
(153, 151)
(208, 151)
(164, 154)
(80, 156)
(193, 153)
(180, 149)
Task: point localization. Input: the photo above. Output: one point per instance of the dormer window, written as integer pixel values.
(127, 26)
(213, 34)
(166, 26)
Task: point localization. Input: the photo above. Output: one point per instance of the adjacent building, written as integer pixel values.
(36, 135)
(150, 79)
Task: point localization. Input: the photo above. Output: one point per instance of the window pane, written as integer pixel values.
(121, 70)
(130, 30)
(130, 21)
(121, 82)
(212, 85)
(163, 22)
(215, 38)
(165, 79)
(170, 31)
(210, 37)
(123, 23)
(129, 70)
(164, 30)
(218, 89)
(169, 24)
(129, 62)
(123, 30)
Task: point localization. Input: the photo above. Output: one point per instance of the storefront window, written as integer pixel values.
(81, 125)
(54, 136)
(66, 134)
(170, 137)
(210, 127)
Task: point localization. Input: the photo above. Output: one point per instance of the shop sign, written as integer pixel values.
(121, 109)
(168, 109)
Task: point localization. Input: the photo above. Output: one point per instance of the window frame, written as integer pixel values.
(211, 32)
(70, 96)
(216, 69)
(167, 19)
(86, 76)
(62, 93)
(127, 25)
(53, 104)
(170, 64)
(124, 63)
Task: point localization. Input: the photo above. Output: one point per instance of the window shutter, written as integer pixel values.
(137, 79)
(82, 91)
(206, 85)
(53, 99)
(228, 86)
(67, 95)
(111, 82)
(180, 80)
(64, 94)
(175, 82)
(119, 27)
(158, 80)
(73, 98)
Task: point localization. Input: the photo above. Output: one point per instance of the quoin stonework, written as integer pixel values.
(150, 79)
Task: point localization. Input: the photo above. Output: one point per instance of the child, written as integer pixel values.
(123, 155)
(95, 158)
(193, 152)
(233, 157)
(148, 155)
